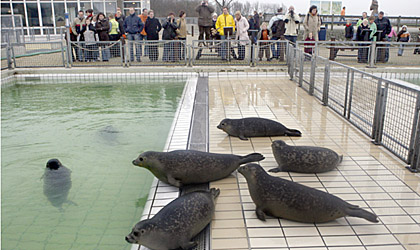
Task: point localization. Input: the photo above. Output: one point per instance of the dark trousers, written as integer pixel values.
(91, 52)
(115, 50)
(182, 49)
(153, 50)
(168, 52)
(278, 52)
(362, 54)
(204, 30)
(241, 52)
(264, 48)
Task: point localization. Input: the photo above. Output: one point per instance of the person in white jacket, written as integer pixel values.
(292, 20)
(242, 27)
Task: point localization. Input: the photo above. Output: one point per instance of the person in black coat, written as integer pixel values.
(152, 28)
(169, 34)
(363, 34)
(384, 27)
(102, 28)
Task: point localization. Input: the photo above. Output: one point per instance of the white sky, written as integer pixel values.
(356, 7)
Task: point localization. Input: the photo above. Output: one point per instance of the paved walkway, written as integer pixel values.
(369, 176)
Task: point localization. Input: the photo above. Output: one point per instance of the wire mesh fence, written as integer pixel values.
(98, 53)
(221, 52)
(385, 110)
(270, 52)
(5, 56)
(401, 54)
(156, 53)
(399, 118)
(38, 54)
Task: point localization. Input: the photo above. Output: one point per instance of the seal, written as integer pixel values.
(304, 159)
(255, 127)
(177, 223)
(184, 167)
(293, 201)
(57, 183)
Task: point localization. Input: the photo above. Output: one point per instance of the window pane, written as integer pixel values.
(46, 13)
(19, 9)
(72, 10)
(98, 7)
(33, 17)
(85, 6)
(59, 14)
(111, 7)
(5, 9)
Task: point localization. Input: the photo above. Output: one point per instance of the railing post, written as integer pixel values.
(9, 56)
(350, 94)
(414, 149)
(347, 92)
(121, 52)
(372, 55)
(62, 54)
(312, 75)
(326, 86)
(379, 115)
(69, 50)
(292, 63)
(302, 59)
(252, 54)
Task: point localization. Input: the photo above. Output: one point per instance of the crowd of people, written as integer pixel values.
(89, 32)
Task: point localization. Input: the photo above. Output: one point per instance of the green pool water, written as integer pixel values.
(96, 130)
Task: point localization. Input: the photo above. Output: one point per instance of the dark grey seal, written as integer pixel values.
(184, 167)
(255, 127)
(177, 223)
(304, 159)
(57, 183)
(290, 200)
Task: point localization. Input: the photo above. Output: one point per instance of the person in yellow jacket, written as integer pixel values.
(224, 20)
(114, 35)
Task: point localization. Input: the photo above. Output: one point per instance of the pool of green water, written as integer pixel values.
(95, 129)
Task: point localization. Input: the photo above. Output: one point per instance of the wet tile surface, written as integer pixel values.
(369, 176)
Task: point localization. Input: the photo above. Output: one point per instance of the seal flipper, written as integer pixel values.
(188, 245)
(251, 158)
(242, 137)
(274, 170)
(361, 213)
(293, 132)
(340, 160)
(260, 214)
(173, 181)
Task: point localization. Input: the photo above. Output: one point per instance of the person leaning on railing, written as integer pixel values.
(152, 28)
(224, 20)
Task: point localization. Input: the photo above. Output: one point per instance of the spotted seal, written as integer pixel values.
(255, 127)
(290, 200)
(183, 167)
(304, 159)
(57, 183)
(177, 223)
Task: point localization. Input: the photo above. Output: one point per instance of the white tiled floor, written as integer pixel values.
(369, 176)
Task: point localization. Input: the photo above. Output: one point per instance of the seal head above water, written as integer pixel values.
(177, 223)
(290, 200)
(255, 127)
(304, 159)
(184, 167)
(57, 183)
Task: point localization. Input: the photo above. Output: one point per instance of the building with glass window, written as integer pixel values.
(40, 17)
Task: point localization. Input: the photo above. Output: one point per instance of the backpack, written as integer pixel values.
(278, 28)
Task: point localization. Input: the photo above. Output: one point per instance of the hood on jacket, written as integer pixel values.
(313, 7)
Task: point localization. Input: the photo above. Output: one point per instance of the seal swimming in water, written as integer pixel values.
(304, 159)
(293, 201)
(57, 183)
(177, 223)
(183, 167)
(255, 127)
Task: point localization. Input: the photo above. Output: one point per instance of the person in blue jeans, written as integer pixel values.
(133, 27)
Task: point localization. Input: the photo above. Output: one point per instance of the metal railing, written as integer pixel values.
(270, 52)
(38, 54)
(98, 53)
(385, 110)
(6, 59)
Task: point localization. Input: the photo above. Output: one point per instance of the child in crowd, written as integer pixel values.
(89, 32)
(308, 44)
(373, 28)
(349, 30)
(417, 49)
(264, 34)
(403, 36)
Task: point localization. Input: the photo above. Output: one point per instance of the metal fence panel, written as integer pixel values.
(38, 54)
(4, 56)
(399, 119)
(306, 75)
(270, 52)
(319, 77)
(362, 101)
(401, 54)
(337, 87)
(221, 52)
(156, 53)
(99, 53)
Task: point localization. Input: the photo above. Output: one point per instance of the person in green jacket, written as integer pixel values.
(359, 22)
(373, 28)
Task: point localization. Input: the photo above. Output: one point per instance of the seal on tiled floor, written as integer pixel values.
(293, 201)
(255, 127)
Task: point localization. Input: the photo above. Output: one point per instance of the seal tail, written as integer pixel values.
(293, 132)
(215, 192)
(251, 158)
(361, 213)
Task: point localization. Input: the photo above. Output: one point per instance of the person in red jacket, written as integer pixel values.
(308, 45)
